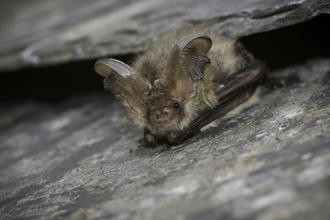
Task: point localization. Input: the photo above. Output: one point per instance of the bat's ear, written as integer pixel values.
(185, 65)
(127, 85)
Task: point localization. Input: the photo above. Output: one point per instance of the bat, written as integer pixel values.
(187, 81)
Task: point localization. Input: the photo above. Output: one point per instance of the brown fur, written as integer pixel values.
(193, 81)
(224, 63)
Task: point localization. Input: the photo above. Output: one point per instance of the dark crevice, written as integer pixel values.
(291, 45)
(52, 84)
(277, 48)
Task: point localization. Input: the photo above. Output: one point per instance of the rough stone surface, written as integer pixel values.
(40, 33)
(79, 160)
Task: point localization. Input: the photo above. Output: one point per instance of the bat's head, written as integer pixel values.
(161, 105)
(165, 111)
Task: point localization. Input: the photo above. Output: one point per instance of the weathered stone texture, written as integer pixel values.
(40, 33)
(78, 159)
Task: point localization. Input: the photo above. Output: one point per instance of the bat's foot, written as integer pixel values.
(147, 142)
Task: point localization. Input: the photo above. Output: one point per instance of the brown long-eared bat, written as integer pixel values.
(184, 83)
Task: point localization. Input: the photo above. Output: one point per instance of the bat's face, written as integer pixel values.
(165, 113)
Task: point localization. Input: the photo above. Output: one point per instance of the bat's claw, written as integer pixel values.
(143, 143)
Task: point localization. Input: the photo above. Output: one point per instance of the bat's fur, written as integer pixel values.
(226, 60)
(169, 103)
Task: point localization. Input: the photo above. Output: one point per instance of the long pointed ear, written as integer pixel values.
(185, 65)
(127, 85)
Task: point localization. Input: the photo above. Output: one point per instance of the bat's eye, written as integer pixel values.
(176, 106)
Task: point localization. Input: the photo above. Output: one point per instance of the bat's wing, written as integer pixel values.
(237, 91)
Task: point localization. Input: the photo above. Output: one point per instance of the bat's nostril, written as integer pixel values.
(163, 115)
(158, 116)
(166, 112)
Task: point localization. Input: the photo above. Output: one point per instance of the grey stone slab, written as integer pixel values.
(78, 160)
(40, 33)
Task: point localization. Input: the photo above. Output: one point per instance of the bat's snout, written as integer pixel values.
(163, 118)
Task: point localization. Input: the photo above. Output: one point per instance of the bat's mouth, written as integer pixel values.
(167, 125)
